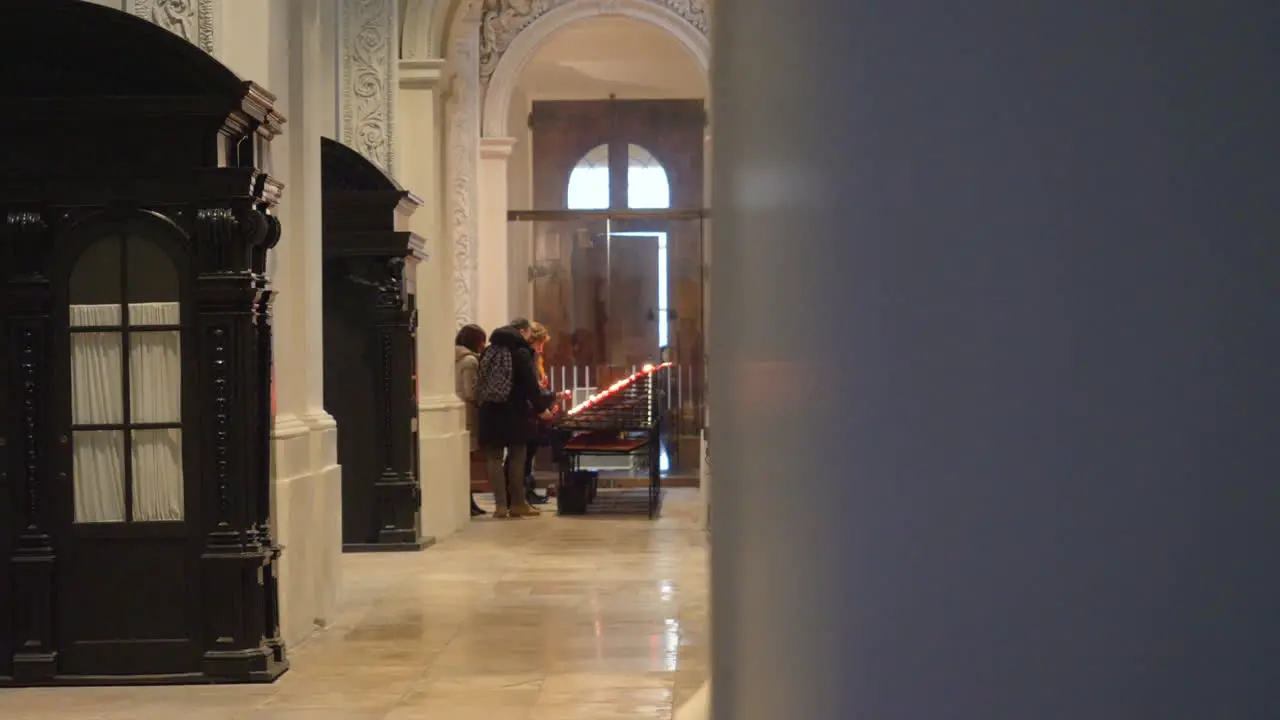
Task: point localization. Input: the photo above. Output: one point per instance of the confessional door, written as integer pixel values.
(127, 481)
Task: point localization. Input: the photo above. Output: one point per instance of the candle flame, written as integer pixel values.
(613, 389)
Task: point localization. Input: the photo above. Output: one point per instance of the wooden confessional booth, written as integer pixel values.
(370, 358)
(134, 410)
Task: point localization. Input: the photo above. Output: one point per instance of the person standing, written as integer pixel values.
(468, 344)
(538, 337)
(511, 401)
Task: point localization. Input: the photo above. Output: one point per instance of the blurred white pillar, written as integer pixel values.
(994, 360)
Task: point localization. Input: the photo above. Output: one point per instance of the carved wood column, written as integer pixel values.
(30, 452)
(396, 489)
(237, 565)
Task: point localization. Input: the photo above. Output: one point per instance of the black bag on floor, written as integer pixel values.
(574, 492)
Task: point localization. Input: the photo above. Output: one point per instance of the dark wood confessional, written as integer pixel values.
(370, 358)
(135, 484)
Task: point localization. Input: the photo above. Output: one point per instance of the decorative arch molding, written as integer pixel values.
(512, 43)
(516, 28)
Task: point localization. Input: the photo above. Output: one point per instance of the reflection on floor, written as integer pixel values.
(598, 618)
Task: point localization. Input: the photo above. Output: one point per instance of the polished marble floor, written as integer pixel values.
(549, 618)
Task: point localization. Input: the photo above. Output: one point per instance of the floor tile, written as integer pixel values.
(597, 618)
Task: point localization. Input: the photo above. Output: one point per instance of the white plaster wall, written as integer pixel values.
(442, 436)
(288, 47)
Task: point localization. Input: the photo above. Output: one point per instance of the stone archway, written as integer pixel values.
(487, 44)
(508, 40)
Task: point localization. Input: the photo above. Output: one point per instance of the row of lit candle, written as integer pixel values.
(616, 387)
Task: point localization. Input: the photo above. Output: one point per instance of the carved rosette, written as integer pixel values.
(367, 56)
(502, 20)
(463, 159)
(192, 20)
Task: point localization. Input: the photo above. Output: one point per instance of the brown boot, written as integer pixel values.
(525, 510)
(501, 513)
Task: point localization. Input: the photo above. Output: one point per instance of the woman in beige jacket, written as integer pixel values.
(468, 344)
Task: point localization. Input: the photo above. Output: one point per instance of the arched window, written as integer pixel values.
(589, 181)
(126, 383)
(648, 187)
(647, 184)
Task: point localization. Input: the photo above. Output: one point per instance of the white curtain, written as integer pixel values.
(157, 475)
(155, 396)
(96, 397)
(155, 365)
(99, 476)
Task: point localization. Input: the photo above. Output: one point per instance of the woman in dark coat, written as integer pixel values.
(507, 427)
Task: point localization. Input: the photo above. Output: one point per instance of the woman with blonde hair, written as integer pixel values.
(538, 338)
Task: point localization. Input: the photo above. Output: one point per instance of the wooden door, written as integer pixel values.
(128, 600)
(633, 301)
(578, 302)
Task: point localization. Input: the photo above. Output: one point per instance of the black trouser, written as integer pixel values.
(528, 464)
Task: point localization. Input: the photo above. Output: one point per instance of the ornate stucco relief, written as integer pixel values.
(191, 20)
(502, 20)
(462, 160)
(368, 54)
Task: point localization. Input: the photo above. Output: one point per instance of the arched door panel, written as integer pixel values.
(128, 487)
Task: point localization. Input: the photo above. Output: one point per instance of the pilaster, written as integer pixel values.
(418, 164)
(493, 254)
(196, 21)
(462, 165)
(370, 47)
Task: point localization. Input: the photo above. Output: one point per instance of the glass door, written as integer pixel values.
(618, 291)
